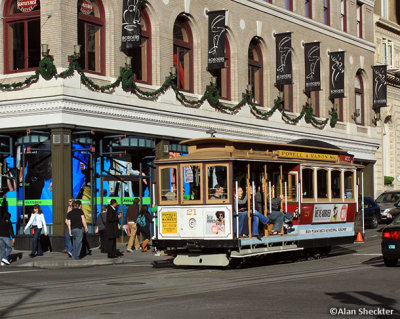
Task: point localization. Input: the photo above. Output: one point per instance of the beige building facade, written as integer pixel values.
(387, 39)
(176, 32)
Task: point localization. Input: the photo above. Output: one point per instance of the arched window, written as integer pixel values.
(359, 99)
(141, 56)
(183, 54)
(223, 75)
(91, 35)
(256, 71)
(22, 35)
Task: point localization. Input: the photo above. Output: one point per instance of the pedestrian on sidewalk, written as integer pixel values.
(6, 234)
(112, 231)
(143, 222)
(101, 228)
(67, 237)
(76, 225)
(130, 220)
(38, 224)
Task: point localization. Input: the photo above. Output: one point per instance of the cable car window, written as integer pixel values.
(308, 182)
(217, 181)
(335, 184)
(322, 183)
(292, 187)
(191, 183)
(168, 185)
(348, 184)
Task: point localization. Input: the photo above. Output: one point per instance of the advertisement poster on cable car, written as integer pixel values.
(330, 213)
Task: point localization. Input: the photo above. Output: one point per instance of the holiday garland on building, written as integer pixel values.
(47, 70)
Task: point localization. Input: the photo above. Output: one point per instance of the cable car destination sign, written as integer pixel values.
(308, 156)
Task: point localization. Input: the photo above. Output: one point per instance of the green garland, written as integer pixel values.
(126, 79)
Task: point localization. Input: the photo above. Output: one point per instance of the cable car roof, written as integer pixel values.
(222, 149)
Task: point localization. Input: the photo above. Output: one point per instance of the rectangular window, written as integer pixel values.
(34, 50)
(191, 184)
(315, 103)
(327, 12)
(307, 183)
(339, 108)
(168, 185)
(343, 17)
(289, 5)
(359, 20)
(93, 48)
(254, 81)
(288, 97)
(387, 52)
(384, 9)
(358, 115)
(308, 9)
(348, 185)
(335, 184)
(217, 183)
(17, 46)
(292, 187)
(322, 184)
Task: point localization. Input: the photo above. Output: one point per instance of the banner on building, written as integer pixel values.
(336, 74)
(131, 13)
(216, 39)
(312, 66)
(380, 86)
(283, 58)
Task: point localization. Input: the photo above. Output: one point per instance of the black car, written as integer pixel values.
(392, 213)
(372, 212)
(391, 243)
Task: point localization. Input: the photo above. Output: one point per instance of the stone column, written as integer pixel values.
(61, 160)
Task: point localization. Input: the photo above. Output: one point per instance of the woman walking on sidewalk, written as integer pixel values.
(38, 224)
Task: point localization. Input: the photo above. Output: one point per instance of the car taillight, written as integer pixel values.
(393, 234)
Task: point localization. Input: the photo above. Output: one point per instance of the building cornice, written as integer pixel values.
(317, 27)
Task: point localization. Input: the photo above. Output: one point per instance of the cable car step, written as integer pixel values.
(218, 260)
(263, 251)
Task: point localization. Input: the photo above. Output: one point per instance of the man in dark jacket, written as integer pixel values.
(130, 220)
(112, 230)
(6, 233)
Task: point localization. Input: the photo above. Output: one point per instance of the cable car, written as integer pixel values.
(200, 203)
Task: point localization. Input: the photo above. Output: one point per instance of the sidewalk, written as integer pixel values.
(52, 260)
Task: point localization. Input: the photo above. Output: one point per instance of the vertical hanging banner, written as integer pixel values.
(312, 67)
(131, 24)
(380, 86)
(336, 75)
(283, 58)
(216, 39)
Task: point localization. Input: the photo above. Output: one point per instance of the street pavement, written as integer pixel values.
(55, 260)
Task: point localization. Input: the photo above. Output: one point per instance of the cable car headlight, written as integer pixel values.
(192, 223)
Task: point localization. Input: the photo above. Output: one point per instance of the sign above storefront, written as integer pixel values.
(26, 5)
(87, 7)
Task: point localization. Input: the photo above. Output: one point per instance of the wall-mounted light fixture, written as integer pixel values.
(77, 50)
(45, 50)
(128, 62)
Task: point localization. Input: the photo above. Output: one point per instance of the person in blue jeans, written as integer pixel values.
(38, 224)
(67, 237)
(6, 233)
(76, 223)
(257, 216)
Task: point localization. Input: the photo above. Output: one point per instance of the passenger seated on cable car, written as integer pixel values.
(218, 192)
(275, 215)
(257, 216)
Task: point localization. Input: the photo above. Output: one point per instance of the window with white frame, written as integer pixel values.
(359, 20)
(384, 9)
(343, 24)
(387, 52)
